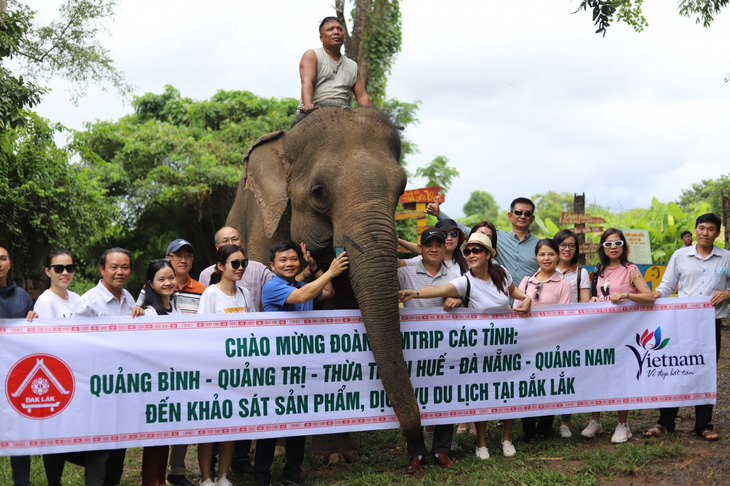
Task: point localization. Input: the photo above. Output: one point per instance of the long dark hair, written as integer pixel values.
(221, 256)
(624, 259)
(563, 235)
(49, 260)
(490, 225)
(151, 297)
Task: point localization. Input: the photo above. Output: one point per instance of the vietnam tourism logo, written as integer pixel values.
(40, 386)
(645, 342)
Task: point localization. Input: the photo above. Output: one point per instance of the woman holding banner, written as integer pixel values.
(547, 287)
(485, 286)
(577, 276)
(158, 301)
(614, 280)
(223, 296)
(54, 303)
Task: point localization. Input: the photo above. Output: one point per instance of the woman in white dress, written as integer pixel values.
(223, 296)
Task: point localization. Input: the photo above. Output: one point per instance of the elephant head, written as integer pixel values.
(334, 180)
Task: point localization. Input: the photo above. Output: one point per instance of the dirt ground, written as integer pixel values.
(701, 462)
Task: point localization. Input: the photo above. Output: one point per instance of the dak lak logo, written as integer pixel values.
(40, 386)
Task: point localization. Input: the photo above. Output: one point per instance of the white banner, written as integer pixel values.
(87, 384)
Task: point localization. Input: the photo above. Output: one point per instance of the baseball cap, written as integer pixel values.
(177, 244)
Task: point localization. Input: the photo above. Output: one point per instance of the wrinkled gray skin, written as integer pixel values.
(334, 180)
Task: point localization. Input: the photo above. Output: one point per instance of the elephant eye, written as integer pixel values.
(319, 198)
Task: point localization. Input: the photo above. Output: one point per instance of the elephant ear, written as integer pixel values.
(267, 175)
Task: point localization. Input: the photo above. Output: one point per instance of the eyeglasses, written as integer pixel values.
(567, 246)
(519, 212)
(60, 268)
(452, 233)
(243, 263)
(538, 287)
(230, 241)
(476, 250)
(184, 256)
(611, 244)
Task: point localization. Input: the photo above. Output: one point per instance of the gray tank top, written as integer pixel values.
(334, 80)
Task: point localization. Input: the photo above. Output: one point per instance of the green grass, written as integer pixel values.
(555, 461)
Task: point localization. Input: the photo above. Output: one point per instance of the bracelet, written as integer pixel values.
(315, 271)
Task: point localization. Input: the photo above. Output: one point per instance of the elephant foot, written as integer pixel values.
(334, 449)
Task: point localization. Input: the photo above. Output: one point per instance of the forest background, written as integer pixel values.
(169, 168)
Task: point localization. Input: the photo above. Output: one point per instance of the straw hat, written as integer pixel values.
(480, 239)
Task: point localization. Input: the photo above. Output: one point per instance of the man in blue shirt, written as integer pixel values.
(516, 248)
(284, 293)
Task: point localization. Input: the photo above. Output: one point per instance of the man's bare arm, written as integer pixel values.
(360, 94)
(307, 73)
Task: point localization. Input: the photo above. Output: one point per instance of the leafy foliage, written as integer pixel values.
(47, 202)
(173, 166)
(705, 10)
(438, 173)
(481, 206)
(68, 46)
(709, 191)
(16, 93)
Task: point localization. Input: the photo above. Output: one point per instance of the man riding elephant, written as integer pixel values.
(328, 77)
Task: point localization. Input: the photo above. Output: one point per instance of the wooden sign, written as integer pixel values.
(587, 229)
(424, 195)
(579, 218)
(399, 215)
(587, 248)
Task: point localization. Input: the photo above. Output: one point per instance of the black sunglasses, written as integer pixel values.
(243, 263)
(453, 233)
(519, 212)
(476, 250)
(60, 268)
(538, 287)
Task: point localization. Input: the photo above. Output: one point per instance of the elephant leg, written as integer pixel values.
(334, 448)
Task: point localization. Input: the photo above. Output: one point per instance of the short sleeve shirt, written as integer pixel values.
(484, 294)
(417, 277)
(51, 306)
(277, 290)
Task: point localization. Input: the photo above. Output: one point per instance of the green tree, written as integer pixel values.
(709, 190)
(173, 166)
(16, 93)
(373, 41)
(68, 46)
(438, 172)
(46, 202)
(481, 206)
(630, 12)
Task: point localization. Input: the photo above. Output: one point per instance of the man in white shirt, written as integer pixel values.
(108, 298)
(700, 270)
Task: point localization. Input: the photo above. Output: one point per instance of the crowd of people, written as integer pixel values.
(479, 267)
(455, 267)
(514, 269)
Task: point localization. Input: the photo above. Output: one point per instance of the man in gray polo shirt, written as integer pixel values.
(429, 271)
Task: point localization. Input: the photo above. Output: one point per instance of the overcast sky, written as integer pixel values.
(522, 96)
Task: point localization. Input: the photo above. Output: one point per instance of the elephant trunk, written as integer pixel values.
(369, 237)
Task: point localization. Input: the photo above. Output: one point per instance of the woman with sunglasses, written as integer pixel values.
(615, 279)
(489, 287)
(223, 296)
(546, 287)
(453, 259)
(158, 300)
(57, 301)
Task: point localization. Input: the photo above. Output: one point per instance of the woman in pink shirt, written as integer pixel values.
(546, 287)
(616, 279)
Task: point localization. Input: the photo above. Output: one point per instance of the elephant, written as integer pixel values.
(334, 179)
